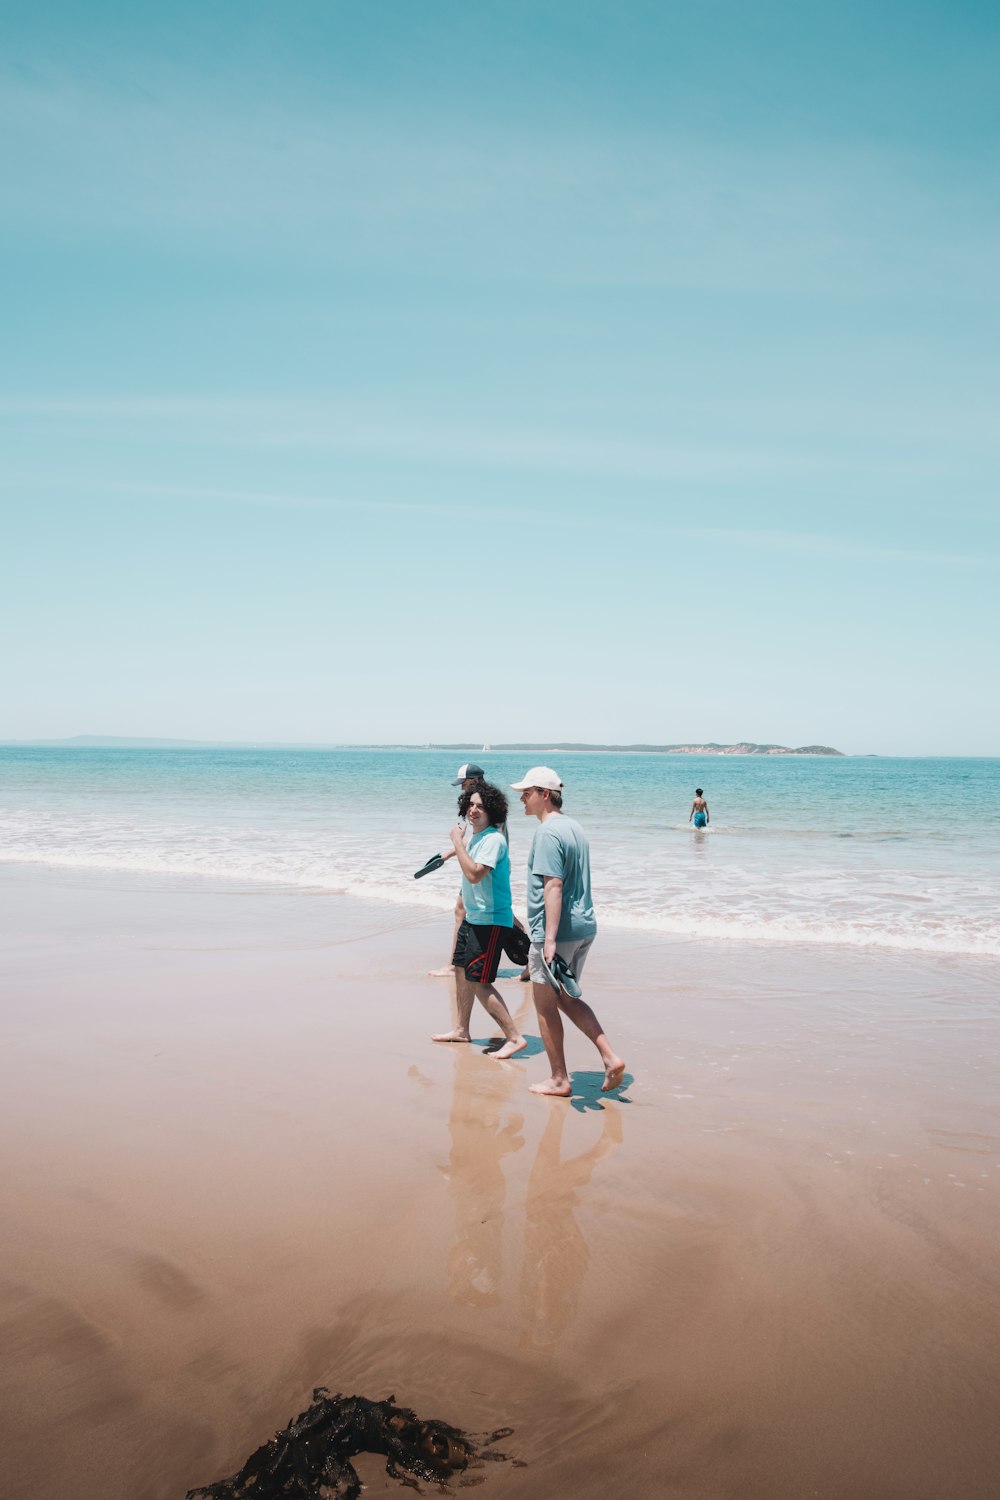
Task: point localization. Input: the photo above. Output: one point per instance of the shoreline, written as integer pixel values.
(431, 902)
(124, 742)
(235, 1167)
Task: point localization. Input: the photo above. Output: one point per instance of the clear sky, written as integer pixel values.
(517, 369)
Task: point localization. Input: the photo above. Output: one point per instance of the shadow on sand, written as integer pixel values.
(587, 1092)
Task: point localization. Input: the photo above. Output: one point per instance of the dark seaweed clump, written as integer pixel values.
(310, 1459)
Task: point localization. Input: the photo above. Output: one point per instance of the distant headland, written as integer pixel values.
(122, 742)
(744, 747)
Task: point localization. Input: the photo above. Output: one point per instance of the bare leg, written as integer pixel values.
(446, 970)
(550, 1027)
(464, 996)
(580, 1013)
(492, 1001)
(521, 1012)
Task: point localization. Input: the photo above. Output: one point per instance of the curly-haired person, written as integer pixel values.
(468, 777)
(488, 928)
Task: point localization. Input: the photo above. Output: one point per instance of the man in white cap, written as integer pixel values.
(560, 921)
(467, 777)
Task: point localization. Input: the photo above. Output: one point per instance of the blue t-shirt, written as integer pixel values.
(560, 848)
(488, 904)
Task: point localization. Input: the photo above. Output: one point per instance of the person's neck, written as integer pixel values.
(550, 812)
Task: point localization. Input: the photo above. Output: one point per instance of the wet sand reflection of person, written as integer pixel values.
(481, 1137)
(556, 1255)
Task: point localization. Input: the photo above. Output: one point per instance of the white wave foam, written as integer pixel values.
(233, 871)
(739, 928)
(939, 910)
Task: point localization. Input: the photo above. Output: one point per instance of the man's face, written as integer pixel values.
(534, 801)
(469, 783)
(477, 814)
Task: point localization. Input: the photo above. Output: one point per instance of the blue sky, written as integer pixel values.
(594, 371)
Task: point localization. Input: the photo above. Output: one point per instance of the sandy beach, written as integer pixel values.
(419, 420)
(234, 1167)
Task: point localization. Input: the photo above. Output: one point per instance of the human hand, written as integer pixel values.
(549, 949)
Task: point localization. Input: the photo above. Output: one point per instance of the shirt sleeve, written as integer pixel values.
(549, 855)
(490, 850)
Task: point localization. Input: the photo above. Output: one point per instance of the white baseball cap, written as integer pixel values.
(542, 776)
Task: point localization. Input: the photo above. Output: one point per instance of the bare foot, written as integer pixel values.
(524, 976)
(613, 1075)
(444, 973)
(509, 1048)
(452, 1036)
(561, 1090)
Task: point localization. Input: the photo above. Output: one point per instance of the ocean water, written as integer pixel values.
(896, 854)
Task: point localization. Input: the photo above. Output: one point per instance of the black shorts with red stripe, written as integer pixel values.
(479, 947)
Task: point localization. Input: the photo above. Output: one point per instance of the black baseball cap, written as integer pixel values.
(469, 773)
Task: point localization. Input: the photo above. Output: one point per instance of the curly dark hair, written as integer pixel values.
(494, 802)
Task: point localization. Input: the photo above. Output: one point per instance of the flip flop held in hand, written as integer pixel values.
(562, 928)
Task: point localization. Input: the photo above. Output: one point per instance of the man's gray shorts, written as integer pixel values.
(574, 952)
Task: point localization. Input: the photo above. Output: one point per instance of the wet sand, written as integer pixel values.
(235, 1167)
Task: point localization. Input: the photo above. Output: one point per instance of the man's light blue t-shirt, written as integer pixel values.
(488, 904)
(560, 848)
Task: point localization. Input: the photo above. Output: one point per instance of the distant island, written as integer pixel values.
(744, 747)
(122, 742)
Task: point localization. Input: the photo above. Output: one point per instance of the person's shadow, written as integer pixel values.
(588, 1091)
(556, 1255)
(480, 1139)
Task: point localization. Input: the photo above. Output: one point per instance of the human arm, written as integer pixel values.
(553, 891)
(707, 818)
(472, 871)
(450, 853)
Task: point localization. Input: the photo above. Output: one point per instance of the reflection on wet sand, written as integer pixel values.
(480, 1139)
(556, 1255)
(555, 1252)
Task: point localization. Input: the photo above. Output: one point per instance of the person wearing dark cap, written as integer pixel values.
(468, 774)
(560, 921)
(468, 777)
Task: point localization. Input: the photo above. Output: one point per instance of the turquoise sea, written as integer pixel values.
(888, 853)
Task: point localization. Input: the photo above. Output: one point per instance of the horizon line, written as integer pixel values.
(681, 747)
